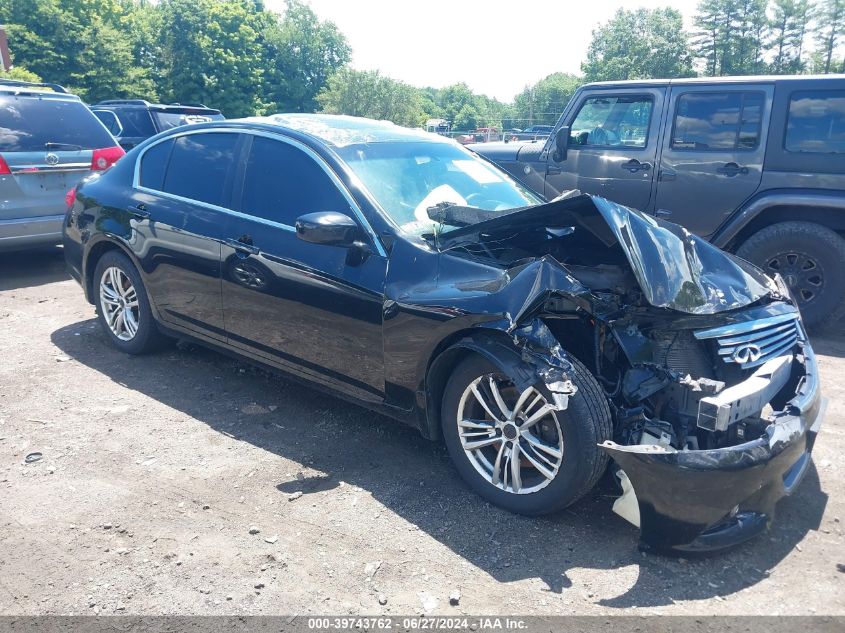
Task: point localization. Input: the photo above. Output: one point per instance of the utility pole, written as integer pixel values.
(5, 58)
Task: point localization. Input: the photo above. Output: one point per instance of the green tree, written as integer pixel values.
(731, 36)
(82, 44)
(20, 73)
(544, 101)
(210, 51)
(829, 33)
(788, 23)
(370, 94)
(639, 44)
(301, 53)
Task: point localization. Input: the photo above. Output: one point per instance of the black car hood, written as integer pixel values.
(674, 268)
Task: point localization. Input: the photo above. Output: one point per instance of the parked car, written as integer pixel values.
(533, 133)
(755, 165)
(538, 340)
(49, 141)
(133, 120)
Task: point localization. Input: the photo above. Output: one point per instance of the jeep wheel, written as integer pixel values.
(513, 448)
(810, 258)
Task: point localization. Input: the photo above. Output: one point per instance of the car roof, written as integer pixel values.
(692, 81)
(111, 104)
(35, 91)
(340, 130)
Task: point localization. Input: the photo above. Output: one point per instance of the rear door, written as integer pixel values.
(712, 154)
(613, 146)
(181, 198)
(47, 145)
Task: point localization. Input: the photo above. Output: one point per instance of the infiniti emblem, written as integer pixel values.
(52, 159)
(747, 353)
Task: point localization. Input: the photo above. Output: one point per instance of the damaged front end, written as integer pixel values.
(711, 381)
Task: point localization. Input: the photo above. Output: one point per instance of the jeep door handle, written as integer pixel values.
(138, 211)
(634, 166)
(667, 175)
(732, 169)
(242, 247)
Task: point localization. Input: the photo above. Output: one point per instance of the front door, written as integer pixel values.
(311, 308)
(612, 148)
(712, 155)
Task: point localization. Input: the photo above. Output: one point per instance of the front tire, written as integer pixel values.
(123, 308)
(810, 258)
(516, 451)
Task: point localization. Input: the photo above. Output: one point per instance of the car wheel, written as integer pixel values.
(810, 258)
(123, 308)
(513, 448)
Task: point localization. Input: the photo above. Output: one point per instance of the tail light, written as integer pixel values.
(70, 196)
(104, 158)
(4, 167)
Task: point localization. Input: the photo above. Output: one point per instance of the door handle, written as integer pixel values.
(138, 211)
(634, 166)
(666, 175)
(732, 169)
(242, 247)
(662, 213)
(553, 171)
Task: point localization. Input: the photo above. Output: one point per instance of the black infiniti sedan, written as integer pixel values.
(543, 342)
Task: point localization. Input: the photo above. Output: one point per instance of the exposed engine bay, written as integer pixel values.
(697, 351)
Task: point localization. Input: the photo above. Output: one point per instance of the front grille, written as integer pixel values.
(753, 343)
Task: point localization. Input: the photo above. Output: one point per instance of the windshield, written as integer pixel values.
(407, 178)
(169, 120)
(29, 124)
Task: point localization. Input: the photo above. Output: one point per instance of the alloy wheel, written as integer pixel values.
(119, 302)
(512, 439)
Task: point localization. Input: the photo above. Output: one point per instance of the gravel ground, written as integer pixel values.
(189, 483)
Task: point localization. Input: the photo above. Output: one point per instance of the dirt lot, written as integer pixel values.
(156, 468)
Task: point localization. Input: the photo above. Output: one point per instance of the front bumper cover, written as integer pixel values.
(706, 500)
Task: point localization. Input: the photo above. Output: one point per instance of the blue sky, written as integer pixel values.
(440, 42)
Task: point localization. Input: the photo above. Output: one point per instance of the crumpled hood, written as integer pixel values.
(674, 268)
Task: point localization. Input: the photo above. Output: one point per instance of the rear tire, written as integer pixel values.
(123, 308)
(810, 258)
(576, 432)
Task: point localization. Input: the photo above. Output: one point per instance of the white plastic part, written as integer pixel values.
(626, 506)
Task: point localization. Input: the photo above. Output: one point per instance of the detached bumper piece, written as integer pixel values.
(706, 500)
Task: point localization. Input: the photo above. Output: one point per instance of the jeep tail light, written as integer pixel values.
(70, 196)
(4, 167)
(104, 158)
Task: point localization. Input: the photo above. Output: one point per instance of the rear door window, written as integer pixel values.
(612, 121)
(201, 166)
(29, 124)
(816, 122)
(717, 121)
(282, 183)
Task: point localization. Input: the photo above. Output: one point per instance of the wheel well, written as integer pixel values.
(576, 337)
(831, 218)
(94, 255)
(442, 363)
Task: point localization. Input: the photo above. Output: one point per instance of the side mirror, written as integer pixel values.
(327, 227)
(561, 144)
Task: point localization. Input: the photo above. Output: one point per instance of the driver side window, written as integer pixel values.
(612, 121)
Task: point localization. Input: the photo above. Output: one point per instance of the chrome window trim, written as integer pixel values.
(277, 136)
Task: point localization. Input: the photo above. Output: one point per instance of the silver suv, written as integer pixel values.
(49, 141)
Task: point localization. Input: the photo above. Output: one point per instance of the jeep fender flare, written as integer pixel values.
(730, 229)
